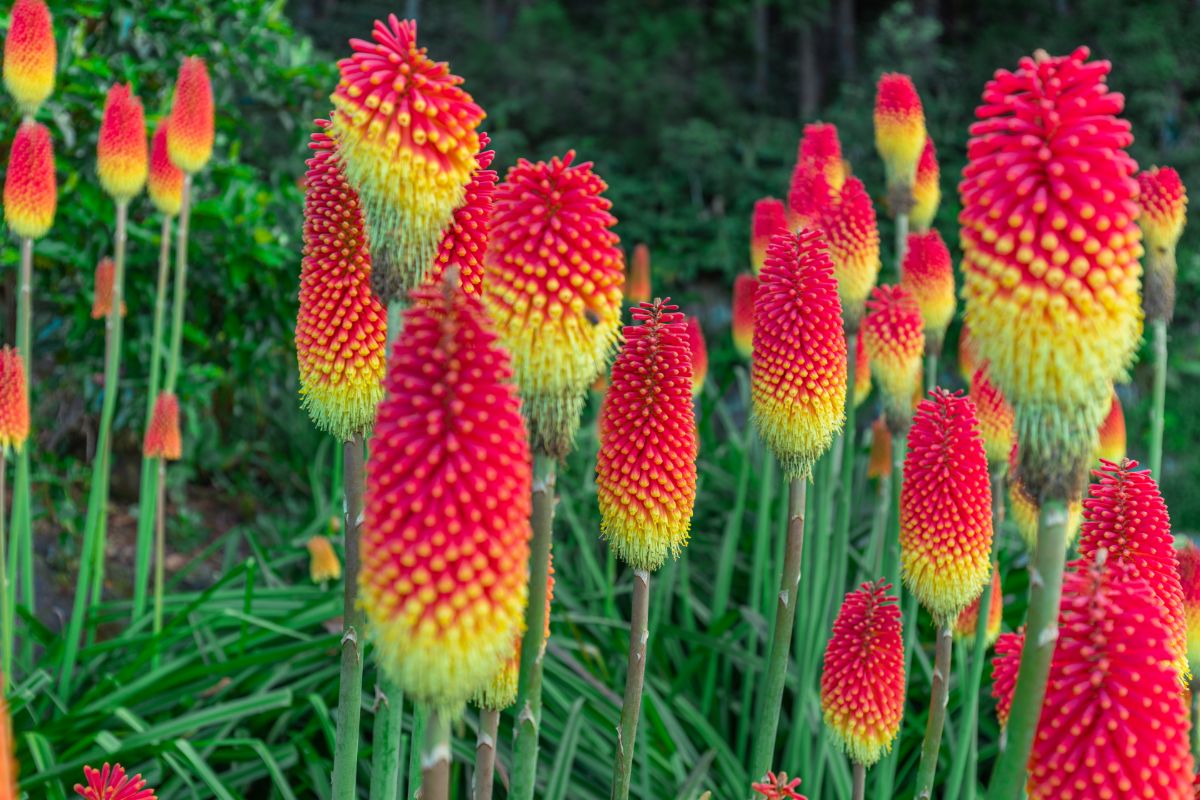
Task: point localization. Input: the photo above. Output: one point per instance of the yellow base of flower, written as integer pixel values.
(438, 659)
(643, 537)
(122, 178)
(340, 405)
(946, 582)
(501, 692)
(798, 432)
(1025, 514)
(861, 745)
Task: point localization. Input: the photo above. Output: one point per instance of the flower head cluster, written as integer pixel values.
(14, 401)
(164, 180)
(699, 351)
(501, 691)
(995, 417)
(465, 239)
(554, 277)
(928, 275)
(163, 438)
(122, 159)
(102, 289)
(926, 189)
(893, 335)
(968, 621)
(899, 132)
(323, 564)
(1005, 664)
(818, 175)
(111, 783)
(798, 374)
(30, 193)
(745, 287)
(637, 288)
(192, 122)
(646, 468)
(1189, 580)
(849, 224)
(770, 217)
(1163, 199)
(30, 57)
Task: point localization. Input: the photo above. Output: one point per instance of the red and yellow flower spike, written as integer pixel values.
(1050, 255)
(819, 174)
(111, 783)
(638, 285)
(102, 289)
(862, 680)
(852, 231)
(192, 121)
(14, 402)
(945, 507)
(553, 287)
(164, 180)
(745, 288)
(1189, 579)
(30, 193)
(1125, 517)
(408, 134)
(893, 335)
(163, 438)
(899, 135)
(465, 240)
(445, 543)
(798, 369)
(646, 468)
(323, 563)
(1163, 200)
(968, 620)
(122, 158)
(341, 328)
(879, 461)
(699, 351)
(926, 189)
(862, 372)
(928, 275)
(770, 217)
(1112, 433)
(995, 417)
(30, 55)
(1114, 722)
(777, 786)
(501, 690)
(1005, 664)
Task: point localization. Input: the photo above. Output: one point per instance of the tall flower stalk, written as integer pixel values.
(798, 384)
(550, 228)
(646, 480)
(1052, 302)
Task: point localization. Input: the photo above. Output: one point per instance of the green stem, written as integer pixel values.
(931, 372)
(21, 558)
(485, 753)
(860, 781)
(901, 242)
(149, 490)
(90, 578)
(639, 635)
(937, 711)
(6, 598)
(345, 752)
(879, 523)
(533, 644)
(389, 726)
(178, 302)
(420, 718)
(846, 499)
(160, 547)
(781, 639)
(1195, 721)
(435, 758)
(1160, 397)
(1045, 590)
(885, 774)
(970, 691)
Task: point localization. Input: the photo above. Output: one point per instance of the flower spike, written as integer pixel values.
(638, 286)
(465, 240)
(30, 55)
(778, 787)
(927, 189)
(699, 352)
(1112, 433)
(14, 403)
(102, 289)
(770, 217)
(899, 135)
(1163, 199)
(968, 621)
(1189, 579)
(928, 275)
(111, 783)
(850, 227)
(190, 142)
(165, 180)
(1005, 664)
(30, 193)
(501, 691)
(745, 289)
(818, 176)
(995, 417)
(163, 439)
(122, 159)
(893, 335)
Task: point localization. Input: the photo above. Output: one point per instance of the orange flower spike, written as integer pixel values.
(1114, 722)
(30, 55)
(928, 275)
(102, 290)
(879, 461)
(501, 691)
(555, 273)
(899, 133)
(995, 417)
(646, 468)
(770, 217)
(1125, 517)
(1163, 199)
(409, 135)
(964, 626)
(445, 543)
(323, 563)
(1050, 255)
(1112, 433)
(699, 351)
(851, 228)
(1005, 664)
(862, 679)
(745, 288)
(465, 240)
(30, 193)
(862, 372)
(111, 783)
(927, 189)
(164, 180)
(819, 174)
(122, 158)
(163, 439)
(798, 369)
(14, 402)
(192, 122)
(1189, 579)
(893, 335)
(639, 276)
(945, 507)
(341, 327)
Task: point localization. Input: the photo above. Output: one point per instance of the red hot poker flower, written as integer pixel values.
(745, 287)
(928, 275)
(893, 335)
(899, 130)
(30, 193)
(638, 286)
(102, 289)
(1005, 664)
(122, 159)
(819, 174)
(163, 439)
(165, 180)
(30, 56)
(927, 189)
(111, 783)
(699, 355)
(14, 401)
(778, 787)
(190, 142)
(1189, 579)
(995, 417)
(770, 217)
(968, 621)
(851, 228)
(465, 240)
(1163, 199)
(1111, 446)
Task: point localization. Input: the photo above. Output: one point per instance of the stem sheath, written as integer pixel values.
(860, 782)
(345, 753)
(937, 711)
(639, 635)
(485, 753)
(385, 758)
(435, 758)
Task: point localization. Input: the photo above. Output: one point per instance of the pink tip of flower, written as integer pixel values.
(778, 787)
(111, 783)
